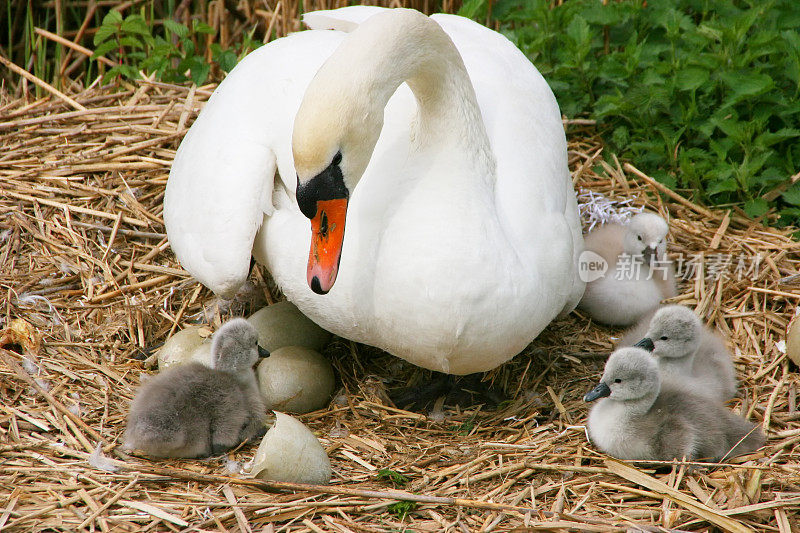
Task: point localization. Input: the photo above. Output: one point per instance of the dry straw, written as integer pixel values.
(85, 263)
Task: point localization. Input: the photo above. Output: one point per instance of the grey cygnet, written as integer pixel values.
(689, 353)
(636, 419)
(625, 292)
(191, 410)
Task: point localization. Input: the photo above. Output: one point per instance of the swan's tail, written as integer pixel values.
(344, 19)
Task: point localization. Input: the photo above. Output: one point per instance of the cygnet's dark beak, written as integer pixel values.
(262, 352)
(649, 254)
(646, 344)
(600, 391)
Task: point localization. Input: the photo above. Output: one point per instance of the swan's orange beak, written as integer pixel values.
(327, 234)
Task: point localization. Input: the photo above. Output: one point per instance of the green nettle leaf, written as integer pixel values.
(735, 129)
(112, 18)
(200, 72)
(201, 27)
(651, 77)
(131, 42)
(745, 84)
(768, 138)
(665, 178)
(125, 71)
(792, 194)
(104, 32)
(135, 24)
(710, 32)
(756, 207)
(111, 74)
(790, 216)
(621, 136)
(578, 31)
(691, 78)
(597, 13)
(472, 8)
(178, 29)
(226, 59)
(722, 185)
(104, 48)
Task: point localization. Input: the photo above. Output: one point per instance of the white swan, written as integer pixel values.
(462, 228)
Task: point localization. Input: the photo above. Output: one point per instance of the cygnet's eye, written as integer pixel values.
(663, 338)
(639, 237)
(617, 380)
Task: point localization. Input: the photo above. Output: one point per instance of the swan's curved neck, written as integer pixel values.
(399, 46)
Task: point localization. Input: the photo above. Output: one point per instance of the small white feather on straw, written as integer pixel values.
(98, 460)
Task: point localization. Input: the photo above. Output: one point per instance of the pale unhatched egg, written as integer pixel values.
(295, 379)
(190, 344)
(282, 324)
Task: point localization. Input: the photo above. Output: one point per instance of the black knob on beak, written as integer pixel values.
(646, 344)
(600, 391)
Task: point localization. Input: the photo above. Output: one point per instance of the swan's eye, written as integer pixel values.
(663, 338)
(337, 158)
(617, 380)
(639, 237)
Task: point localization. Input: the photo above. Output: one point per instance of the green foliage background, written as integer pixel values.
(172, 57)
(702, 94)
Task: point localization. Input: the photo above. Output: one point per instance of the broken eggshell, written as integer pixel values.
(793, 340)
(290, 452)
(190, 344)
(295, 379)
(282, 324)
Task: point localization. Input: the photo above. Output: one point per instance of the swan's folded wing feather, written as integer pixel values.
(523, 122)
(221, 183)
(215, 201)
(344, 19)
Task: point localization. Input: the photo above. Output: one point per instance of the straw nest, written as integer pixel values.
(91, 288)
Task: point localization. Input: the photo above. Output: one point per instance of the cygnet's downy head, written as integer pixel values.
(674, 332)
(646, 237)
(630, 374)
(235, 347)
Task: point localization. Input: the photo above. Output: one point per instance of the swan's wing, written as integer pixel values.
(344, 19)
(523, 122)
(221, 182)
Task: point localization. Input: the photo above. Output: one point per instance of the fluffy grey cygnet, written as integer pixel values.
(689, 353)
(191, 410)
(639, 275)
(637, 419)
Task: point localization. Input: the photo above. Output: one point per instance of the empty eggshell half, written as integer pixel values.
(295, 379)
(290, 452)
(182, 346)
(282, 324)
(793, 340)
